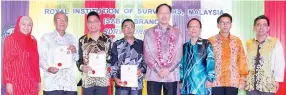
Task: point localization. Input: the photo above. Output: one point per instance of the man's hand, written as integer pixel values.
(72, 48)
(241, 84)
(118, 82)
(208, 84)
(86, 68)
(164, 73)
(53, 70)
(139, 73)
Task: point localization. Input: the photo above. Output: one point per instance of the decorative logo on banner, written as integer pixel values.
(8, 31)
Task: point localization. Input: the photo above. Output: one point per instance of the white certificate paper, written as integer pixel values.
(62, 58)
(129, 75)
(98, 64)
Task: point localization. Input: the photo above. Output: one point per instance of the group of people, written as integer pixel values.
(217, 66)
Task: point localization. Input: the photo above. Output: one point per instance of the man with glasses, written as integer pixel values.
(197, 65)
(265, 60)
(230, 61)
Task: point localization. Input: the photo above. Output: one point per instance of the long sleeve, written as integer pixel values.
(9, 54)
(35, 66)
(241, 61)
(74, 43)
(43, 52)
(109, 47)
(149, 58)
(182, 64)
(114, 62)
(178, 54)
(143, 66)
(79, 63)
(279, 62)
(108, 56)
(210, 67)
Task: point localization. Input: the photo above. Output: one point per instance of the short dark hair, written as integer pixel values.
(261, 17)
(92, 13)
(157, 9)
(224, 15)
(126, 21)
(196, 20)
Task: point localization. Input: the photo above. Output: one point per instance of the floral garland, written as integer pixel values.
(171, 39)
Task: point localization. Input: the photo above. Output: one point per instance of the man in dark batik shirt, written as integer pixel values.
(127, 51)
(94, 42)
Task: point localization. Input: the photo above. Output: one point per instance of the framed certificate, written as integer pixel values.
(129, 75)
(62, 57)
(98, 64)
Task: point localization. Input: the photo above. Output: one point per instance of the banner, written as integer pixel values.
(142, 12)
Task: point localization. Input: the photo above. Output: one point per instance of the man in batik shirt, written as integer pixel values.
(265, 60)
(127, 51)
(94, 42)
(162, 52)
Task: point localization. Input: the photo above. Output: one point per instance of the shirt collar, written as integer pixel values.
(267, 39)
(224, 38)
(199, 41)
(89, 36)
(168, 27)
(58, 34)
(135, 40)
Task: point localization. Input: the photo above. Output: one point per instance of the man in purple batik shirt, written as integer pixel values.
(162, 52)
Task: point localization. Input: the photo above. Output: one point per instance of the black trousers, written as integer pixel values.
(255, 92)
(96, 90)
(60, 92)
(224, 91)
(155, 88)
(123, 91)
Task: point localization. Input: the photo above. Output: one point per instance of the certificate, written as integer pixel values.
(129, 75)
(97, 62)
(62, 58)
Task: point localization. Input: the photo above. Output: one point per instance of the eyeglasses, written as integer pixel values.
(61, 20)
(126, 27)
(261, 25)
(224, 23)
(196, 27)
(92, 22)
(164, 13)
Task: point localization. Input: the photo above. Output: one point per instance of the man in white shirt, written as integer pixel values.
(59, 77)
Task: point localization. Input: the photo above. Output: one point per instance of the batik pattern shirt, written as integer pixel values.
(123, 53)
(64, 79)
(266, 65)
(88, 45)
(163, 49)
(230, 61)
(196, 67)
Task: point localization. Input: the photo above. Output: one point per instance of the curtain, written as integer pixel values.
(275, 11)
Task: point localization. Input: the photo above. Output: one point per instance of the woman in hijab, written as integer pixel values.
(21, 72)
